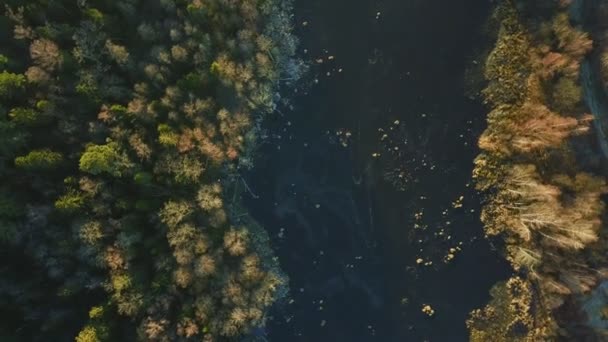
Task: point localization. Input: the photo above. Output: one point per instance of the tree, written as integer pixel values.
(28, 116)
(508, 65)
(567, 95)
(88, 334)
(179, 53)
(70, 202)
(208, 197)
(572, 41)
(529, 128)
(11, 84)
(526, 207)
(46, 54)
(235, 241)
(91, 232)
(511, 316)
(176, 212)
(98, 159)
(167, 135)
(37, 75)
(545, 129)
(39, 160)
(118, 53)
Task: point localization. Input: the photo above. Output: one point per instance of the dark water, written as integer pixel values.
(348, 239)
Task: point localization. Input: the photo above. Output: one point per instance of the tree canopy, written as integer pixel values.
(122, 127)
(542, 199)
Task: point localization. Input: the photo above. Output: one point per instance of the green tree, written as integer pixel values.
(70, 202)
(39, 160)
(167, 136)
(3, 61)
(98, 159)
(27, 116)
(11, 84)
(88, 334)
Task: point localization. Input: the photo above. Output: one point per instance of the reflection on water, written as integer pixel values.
(365, 186)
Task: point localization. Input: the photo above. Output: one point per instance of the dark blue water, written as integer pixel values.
(349, 239)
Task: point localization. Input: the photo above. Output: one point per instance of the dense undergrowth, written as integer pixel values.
(541, 178)
(124, 126)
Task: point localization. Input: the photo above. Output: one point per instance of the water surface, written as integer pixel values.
(348, 239)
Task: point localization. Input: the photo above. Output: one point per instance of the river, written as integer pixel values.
(364, 183)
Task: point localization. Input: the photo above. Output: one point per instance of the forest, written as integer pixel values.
(125, 127)
(543, 188)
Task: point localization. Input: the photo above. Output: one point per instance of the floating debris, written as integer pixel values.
(428, 310)
(344, 136)
(458, 203)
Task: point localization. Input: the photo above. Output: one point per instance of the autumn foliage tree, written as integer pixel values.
(544, 205)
